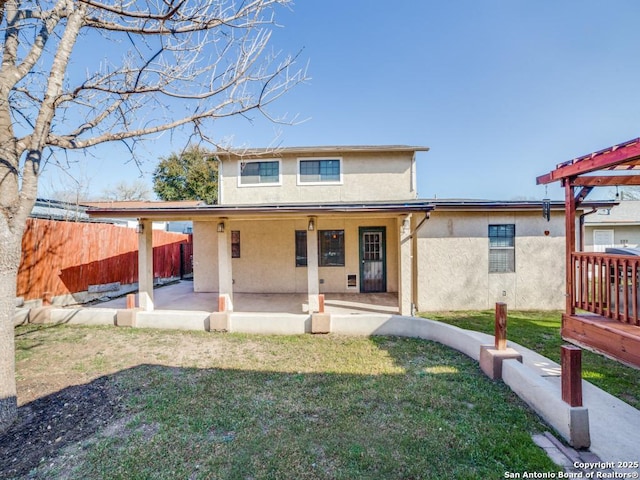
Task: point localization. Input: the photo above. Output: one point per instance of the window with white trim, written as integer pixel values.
(259, 172)
(502, 252)
(327, 170)
(603, 239)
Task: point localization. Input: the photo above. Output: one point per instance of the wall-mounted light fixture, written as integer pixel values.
(221, 227)
(405, 226)
(140, 228)
(312, 225)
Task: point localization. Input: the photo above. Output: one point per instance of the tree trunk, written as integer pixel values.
(10, 254)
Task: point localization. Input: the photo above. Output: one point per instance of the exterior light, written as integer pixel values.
(405, 226)
(140, 228)
(221, 227)
(312, 226)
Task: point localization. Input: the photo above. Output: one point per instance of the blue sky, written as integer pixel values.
(499, 90)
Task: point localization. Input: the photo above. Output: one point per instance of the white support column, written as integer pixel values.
(225, 272)
(313, 284)
(145, 264)
(405, 265)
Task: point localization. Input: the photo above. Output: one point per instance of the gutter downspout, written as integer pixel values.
(414, 251)
(593, 210)
(220, 201)
(422, 222)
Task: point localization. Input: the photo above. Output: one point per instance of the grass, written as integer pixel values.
(540, 331)
(270, 407)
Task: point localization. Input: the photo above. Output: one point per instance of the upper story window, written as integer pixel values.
(327, 170)
(259, 172)
(502, 252)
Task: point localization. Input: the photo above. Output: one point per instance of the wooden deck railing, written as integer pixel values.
(607, 285)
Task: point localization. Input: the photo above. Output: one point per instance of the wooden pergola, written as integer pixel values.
(602, 289)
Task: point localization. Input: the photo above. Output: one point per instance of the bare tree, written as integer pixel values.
(136, 190)
(78, 73)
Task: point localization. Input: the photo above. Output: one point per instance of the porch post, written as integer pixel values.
(313, 284)
(570, 242)
(405, 265)
(145, 264)
(225, 273)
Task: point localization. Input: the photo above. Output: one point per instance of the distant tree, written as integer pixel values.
(73, 189)
(124, 191)
(188, 175)
(628, 193)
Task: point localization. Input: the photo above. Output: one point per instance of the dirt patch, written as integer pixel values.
(49, 425)
(68, 388)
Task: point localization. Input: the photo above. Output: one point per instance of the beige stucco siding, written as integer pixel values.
(365, 178)
(453, 262)
(205, 257)
(267, 255)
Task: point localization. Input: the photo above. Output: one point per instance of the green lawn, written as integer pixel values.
(274, 407)
(540, 331)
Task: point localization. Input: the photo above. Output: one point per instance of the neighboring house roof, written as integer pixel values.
(57, 210)
(331, 149)
(143, 204)
(625, 213)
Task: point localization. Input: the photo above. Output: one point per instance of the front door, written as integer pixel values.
(373, 272)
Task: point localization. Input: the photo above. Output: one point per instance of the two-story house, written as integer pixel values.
(301, 220)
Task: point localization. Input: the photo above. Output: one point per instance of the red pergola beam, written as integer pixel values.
(606, 181)
(596, 161)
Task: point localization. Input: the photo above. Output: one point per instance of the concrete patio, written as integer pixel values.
(180, 296)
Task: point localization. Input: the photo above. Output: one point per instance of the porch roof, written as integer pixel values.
(169, 210)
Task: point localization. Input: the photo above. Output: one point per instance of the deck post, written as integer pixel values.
(571, 364)
(500, 342)
(570, 241)
(492, 356)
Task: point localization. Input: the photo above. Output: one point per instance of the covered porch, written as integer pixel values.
(359, 257)
(602, 289)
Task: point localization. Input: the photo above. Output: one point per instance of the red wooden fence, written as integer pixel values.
(66, 257)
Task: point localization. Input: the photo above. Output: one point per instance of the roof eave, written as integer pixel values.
(247, 210)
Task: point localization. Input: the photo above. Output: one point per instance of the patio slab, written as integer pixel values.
(180, 296)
